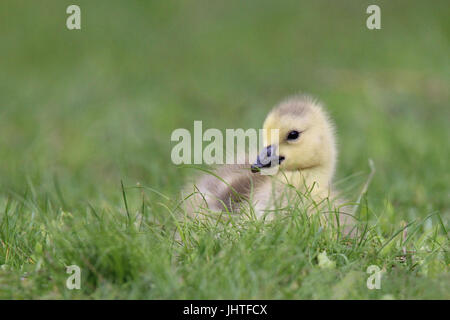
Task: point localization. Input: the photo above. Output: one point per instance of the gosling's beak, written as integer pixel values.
(266, 159)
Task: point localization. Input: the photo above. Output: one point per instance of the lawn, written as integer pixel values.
(86, 118)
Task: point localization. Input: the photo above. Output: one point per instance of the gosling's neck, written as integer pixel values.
(317, 179)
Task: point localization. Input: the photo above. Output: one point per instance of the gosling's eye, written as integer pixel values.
(293, 135)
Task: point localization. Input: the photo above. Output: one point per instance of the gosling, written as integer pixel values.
(305, 155)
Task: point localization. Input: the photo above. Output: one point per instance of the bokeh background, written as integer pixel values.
(82, 110)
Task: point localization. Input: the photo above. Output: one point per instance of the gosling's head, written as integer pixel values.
(306, 137)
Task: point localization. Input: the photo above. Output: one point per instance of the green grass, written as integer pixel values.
(81, 111)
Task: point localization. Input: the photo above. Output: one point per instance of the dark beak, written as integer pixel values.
(266, 159)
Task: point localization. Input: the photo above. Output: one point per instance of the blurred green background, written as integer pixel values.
(84, 109)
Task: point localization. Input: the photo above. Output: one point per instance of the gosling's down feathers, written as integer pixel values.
(305, 153)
